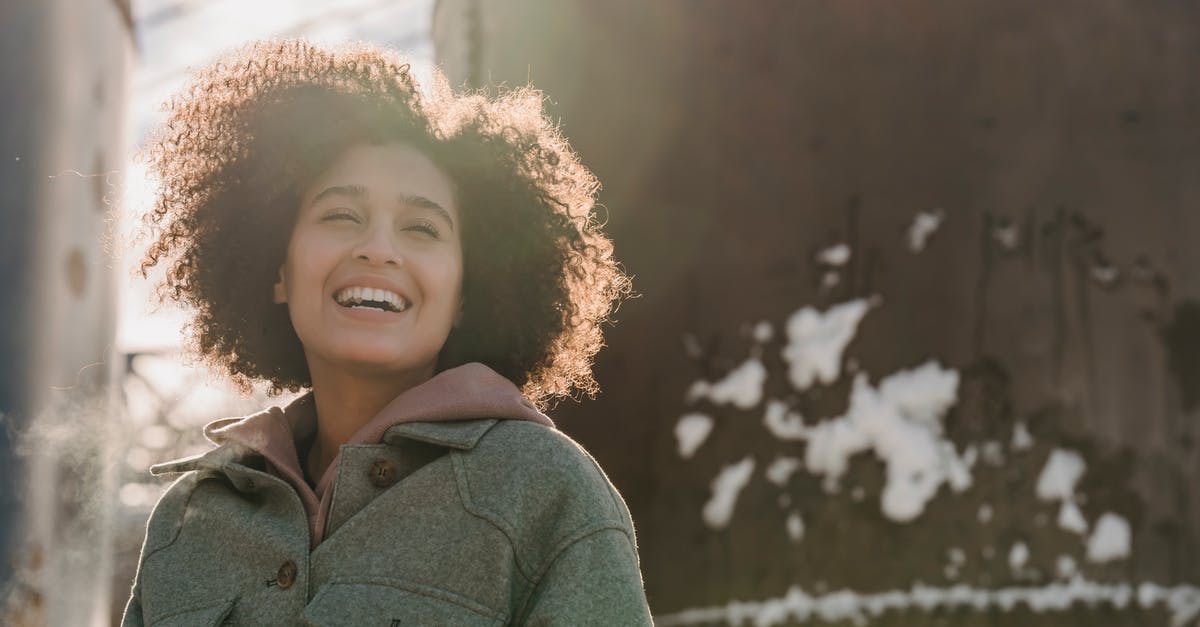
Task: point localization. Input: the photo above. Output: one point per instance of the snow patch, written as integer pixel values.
(985, 513)
(957, 559)
(782, 469)
(1065, 566)
(795, 526)
(901, 422)
(992, 453)
(1111, 539)
(836, 255)
(783, 424)
(1062, 471)
(742, 387)
(1105, 274)
(797, 606)
(1021, 438)
(816, 341)
(1071, 519)
(726, 487)
(1018, 556)
(691, 431)
(1007, 235)
(922, 227)
(763, 332)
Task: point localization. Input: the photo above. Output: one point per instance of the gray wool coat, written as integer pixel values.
(471, 522)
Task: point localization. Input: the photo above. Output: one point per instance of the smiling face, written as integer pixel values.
(374, 267)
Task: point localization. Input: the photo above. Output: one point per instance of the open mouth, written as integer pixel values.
(370, 298)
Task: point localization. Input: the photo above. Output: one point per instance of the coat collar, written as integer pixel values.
(458, 434)
(454, 409)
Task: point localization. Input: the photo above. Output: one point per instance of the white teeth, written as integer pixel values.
(353, 295)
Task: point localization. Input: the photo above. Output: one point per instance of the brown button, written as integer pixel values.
(382, 473)
(286, 575)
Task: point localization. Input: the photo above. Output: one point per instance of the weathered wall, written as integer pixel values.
(1055, 145)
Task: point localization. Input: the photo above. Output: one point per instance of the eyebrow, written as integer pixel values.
(359, 192)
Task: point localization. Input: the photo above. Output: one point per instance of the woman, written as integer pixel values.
(427, 266)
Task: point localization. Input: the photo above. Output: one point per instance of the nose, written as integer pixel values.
(377, 248)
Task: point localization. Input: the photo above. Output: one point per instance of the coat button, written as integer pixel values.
(382, 473)
(286, 575)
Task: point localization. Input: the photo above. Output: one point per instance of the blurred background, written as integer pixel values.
(918, 339)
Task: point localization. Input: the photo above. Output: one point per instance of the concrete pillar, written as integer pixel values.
(63, 80)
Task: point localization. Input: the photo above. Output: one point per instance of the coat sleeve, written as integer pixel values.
(592, 581)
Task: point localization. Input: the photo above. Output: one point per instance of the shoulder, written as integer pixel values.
(166, 519)
(539, 486)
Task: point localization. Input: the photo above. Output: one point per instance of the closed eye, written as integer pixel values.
(340, 215)
(428, 228)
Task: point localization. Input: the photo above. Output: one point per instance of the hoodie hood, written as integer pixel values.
(468, 392)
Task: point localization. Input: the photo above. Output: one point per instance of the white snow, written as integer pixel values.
(1105, 274)
(901, 422)
(1060, 474)
(1071, 519)
(782, 469)
(691, 431)
(726, 487)
(797, 606)
(1018, 556)
(1065, 566)
(956, 559)
(783, 424)
(922, 227)
(742, 387)
(795, 526)
(816, 341)
(1021, 438)
(836, 255)
(763, 332)
(970, 455)
(922, 394)
(992, 453)
(1007, 235)
(985, 513)
(1110, 540)
(1057, 482)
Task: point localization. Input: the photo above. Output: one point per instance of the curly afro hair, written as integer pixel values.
(251, 132)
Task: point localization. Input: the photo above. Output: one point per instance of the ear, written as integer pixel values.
(279, 295)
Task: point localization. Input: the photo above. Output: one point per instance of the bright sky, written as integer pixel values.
(175, 36)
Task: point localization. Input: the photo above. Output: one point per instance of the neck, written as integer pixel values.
(345, 402)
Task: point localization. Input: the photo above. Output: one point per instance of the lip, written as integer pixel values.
(374, 282)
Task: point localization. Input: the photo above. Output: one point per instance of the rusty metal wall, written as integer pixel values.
(63, 70)
(1052, 149)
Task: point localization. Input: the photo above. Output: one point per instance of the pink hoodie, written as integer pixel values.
(467, 392)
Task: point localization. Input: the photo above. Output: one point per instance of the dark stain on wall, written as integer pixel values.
(1182, 337)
